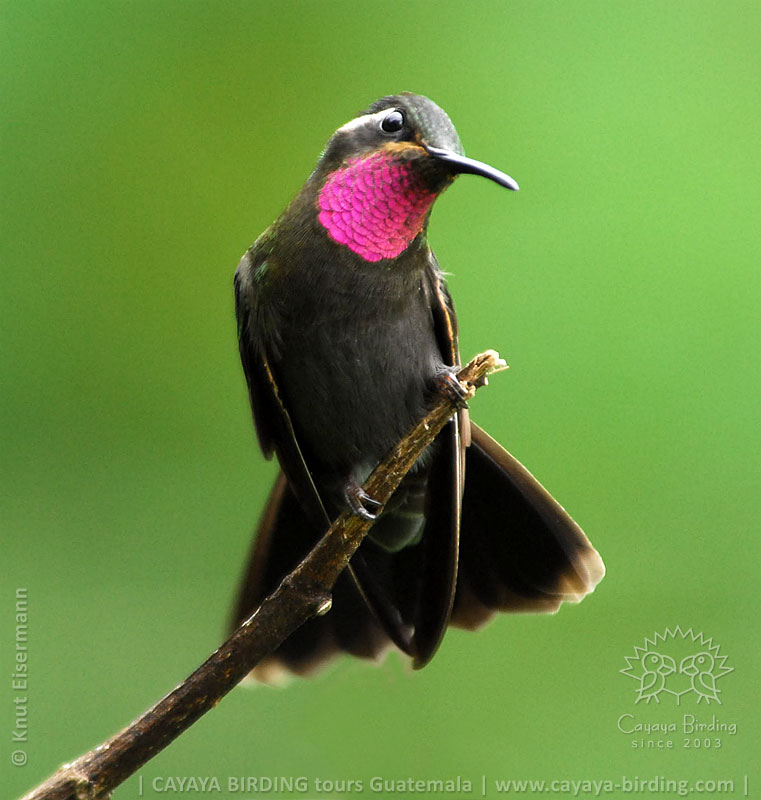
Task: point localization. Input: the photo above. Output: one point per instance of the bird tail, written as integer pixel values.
(519, 549)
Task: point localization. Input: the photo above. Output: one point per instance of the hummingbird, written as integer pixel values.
(346, 329)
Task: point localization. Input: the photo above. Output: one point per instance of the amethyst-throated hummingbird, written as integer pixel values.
(345, 326)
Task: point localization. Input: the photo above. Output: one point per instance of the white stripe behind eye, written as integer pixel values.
(359, 122)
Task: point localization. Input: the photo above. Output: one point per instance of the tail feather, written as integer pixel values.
(519, 549)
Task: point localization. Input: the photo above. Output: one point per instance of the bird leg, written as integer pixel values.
(358, 500)
(447, 382)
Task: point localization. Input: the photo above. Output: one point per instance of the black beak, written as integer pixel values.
(462, 164)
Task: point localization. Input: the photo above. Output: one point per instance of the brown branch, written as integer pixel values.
(302, 594)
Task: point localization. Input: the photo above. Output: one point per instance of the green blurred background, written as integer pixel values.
(146, 145)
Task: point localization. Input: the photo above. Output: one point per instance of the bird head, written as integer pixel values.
(656, 662)
(380, 174)
(700, 662)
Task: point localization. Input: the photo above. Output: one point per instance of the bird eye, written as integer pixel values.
(393, 121)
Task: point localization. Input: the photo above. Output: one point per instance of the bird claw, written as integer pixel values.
(358, 500)
(448, 384)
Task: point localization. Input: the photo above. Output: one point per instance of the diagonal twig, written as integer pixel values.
(301, 595)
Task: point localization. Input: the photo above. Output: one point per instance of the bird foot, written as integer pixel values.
(358, 500)
(448, 384)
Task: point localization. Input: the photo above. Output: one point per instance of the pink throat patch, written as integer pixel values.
(375, 206)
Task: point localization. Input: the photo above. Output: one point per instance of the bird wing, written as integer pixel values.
(706, 684)
(648, 683)
(273, 423)
(446, 481)
(295, 516)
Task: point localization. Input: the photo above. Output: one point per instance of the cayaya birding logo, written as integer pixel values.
(677, 663)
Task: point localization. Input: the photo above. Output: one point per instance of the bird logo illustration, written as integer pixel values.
(656, 672)
(700, 667)
(656, 668)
